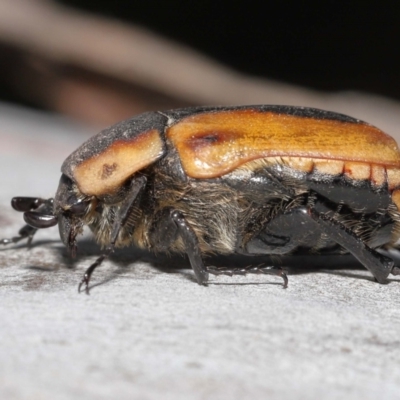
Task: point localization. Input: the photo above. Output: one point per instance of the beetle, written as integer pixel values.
(249, 180)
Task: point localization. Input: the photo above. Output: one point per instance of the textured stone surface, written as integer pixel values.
(148, 331)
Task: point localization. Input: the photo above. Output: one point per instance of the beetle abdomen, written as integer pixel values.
(273, 189)
(376, 179)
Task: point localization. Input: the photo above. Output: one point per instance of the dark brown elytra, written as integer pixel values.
(277, 181)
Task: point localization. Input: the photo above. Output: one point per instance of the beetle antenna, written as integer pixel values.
(38, 213)
(40, 220)
(24, 204)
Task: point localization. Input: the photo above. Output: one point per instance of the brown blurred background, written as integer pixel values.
(103, 61)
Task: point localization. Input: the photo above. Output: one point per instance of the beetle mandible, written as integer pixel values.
(253, 180)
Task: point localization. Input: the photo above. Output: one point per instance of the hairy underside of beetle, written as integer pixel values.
(227, 213)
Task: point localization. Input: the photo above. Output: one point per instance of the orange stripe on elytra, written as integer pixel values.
(213, 144)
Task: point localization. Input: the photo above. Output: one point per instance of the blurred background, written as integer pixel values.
(69, 68)
(99, 62)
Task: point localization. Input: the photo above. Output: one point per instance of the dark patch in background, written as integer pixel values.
(349, 45)
(332, 46)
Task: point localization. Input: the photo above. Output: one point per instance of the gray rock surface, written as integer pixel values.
(147, 331)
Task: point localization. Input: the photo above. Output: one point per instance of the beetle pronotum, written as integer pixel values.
(254, 180)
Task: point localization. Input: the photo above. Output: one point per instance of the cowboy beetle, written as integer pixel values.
(254, 180)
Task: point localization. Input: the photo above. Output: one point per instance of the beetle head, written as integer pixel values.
(70, 208)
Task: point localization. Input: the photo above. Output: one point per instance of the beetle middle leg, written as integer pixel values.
(379, 265)
(172, 224)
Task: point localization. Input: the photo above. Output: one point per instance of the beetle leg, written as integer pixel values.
(303, 223)
(26, 232)
(119, 221)
(259, 269)
(379, 265)
(192, 248)
(179, 226)
(171, 224)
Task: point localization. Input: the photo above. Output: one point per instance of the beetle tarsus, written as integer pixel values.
(14, 239)
(85, 280)
(259, 269)
(86, 277)
(26, 232)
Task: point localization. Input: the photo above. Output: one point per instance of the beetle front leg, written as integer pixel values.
(119, 221)
(26, 232)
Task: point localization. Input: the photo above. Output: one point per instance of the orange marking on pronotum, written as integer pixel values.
(107, 171)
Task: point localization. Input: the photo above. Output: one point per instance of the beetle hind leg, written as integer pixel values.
(378, 264)
(302, 226)
(259, 269)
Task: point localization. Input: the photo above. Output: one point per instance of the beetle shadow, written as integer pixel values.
(122, 258)
(293, 265)
(22, 245)
(341, 265)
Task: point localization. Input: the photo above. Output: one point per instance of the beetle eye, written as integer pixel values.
(79, 207)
